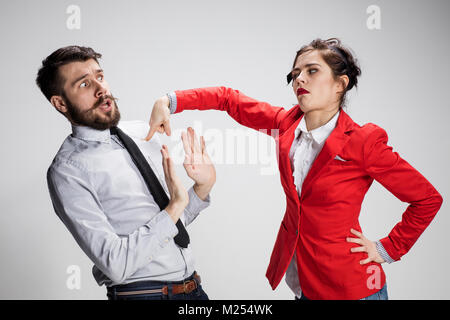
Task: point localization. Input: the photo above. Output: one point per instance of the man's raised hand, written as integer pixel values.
(197, 163)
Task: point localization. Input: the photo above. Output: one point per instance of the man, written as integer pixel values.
(102, 189)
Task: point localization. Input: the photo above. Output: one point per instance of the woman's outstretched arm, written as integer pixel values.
(245, 110)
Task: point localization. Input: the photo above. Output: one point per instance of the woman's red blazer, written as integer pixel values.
(317, 223)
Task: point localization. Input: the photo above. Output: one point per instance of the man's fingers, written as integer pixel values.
(164, 163)
(164, 152)
(191, 139)
(195, 147)
(195, 140)
(170, 167)
(169, 170)
(202, 142)
(186, 144)
(206, 157)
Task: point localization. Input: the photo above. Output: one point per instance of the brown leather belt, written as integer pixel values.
(185, 287)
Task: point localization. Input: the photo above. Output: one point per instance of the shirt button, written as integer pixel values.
(151, 258)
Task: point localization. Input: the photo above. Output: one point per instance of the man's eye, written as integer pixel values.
(83, 84)
(100, 77)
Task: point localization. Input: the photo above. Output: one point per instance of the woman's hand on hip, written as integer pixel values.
(367, 246)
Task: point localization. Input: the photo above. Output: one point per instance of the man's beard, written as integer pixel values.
(90, 117)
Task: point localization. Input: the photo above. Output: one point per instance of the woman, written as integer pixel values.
(327, 163)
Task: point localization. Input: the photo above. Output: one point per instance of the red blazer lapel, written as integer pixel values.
(284, 146)
(333, 145)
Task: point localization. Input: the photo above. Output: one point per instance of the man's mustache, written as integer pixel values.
(101, 100)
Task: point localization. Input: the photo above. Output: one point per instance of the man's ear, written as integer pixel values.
(58, 103)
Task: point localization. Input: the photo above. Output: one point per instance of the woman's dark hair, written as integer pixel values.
(48, 78)
(338, 58)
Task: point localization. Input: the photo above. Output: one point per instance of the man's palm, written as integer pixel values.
(197, 163)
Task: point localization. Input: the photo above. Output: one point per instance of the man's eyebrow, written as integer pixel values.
(84, 76)
(308, 65)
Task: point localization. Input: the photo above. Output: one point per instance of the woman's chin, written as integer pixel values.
(303, 107)
(303, 103)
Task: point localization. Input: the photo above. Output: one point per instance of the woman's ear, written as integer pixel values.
(343, 83)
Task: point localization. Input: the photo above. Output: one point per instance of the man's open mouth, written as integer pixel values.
(106, 105)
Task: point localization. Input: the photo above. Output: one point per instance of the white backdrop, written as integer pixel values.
(152, 47)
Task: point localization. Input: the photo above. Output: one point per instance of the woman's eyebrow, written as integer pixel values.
(308, 65)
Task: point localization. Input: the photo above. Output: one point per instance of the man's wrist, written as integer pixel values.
(202, 190)
(175, 209)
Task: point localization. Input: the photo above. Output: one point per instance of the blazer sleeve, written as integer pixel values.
(245, 110)
(408, 185)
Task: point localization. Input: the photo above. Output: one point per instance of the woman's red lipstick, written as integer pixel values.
(301, 91)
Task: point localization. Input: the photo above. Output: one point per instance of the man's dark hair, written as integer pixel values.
(49, 79)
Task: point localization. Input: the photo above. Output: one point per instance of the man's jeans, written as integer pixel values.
(196, 294)
(380, 295)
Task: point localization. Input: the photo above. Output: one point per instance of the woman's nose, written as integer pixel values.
(300, 78)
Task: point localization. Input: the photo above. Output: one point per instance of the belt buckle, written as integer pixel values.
(189, 286)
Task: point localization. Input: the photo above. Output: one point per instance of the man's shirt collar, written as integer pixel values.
(91, 134)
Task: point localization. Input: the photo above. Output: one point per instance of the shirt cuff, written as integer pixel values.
(173, 102)
(195, 205)
(383, 252)
(164, 227)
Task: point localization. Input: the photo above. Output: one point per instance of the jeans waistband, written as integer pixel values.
(148, 284)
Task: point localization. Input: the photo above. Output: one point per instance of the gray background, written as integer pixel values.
(151, 48)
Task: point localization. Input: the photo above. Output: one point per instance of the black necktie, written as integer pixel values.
(153, 184)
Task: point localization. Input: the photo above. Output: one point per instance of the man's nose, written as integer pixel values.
(101, 89)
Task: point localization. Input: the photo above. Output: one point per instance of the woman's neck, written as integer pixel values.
(317, 118)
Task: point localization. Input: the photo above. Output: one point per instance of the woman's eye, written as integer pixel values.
(315, 70)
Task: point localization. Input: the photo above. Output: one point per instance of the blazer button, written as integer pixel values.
(296, 232)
